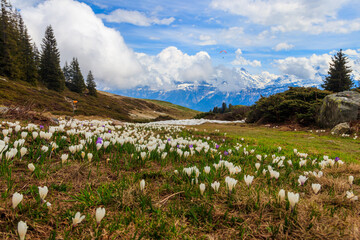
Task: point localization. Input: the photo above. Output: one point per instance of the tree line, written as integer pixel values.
(20, 58)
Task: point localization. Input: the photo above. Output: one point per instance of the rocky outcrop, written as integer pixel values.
(339, 108)
(341, 128)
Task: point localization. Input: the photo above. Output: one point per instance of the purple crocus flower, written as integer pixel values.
(41, 126)
(109, 131)
(178, 146)
(191, 146)
(217, 146)
(337, 159)
(226, 153)
(103, 125)
(169, 139)
(99, 140)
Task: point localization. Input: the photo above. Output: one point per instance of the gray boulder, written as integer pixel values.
(339, 108)
(341, 128)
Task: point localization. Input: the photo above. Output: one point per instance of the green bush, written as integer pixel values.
(296, 105)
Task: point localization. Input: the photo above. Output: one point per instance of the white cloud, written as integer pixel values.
(316, 66)
(80, 33)
(134, 17)
(206, 40)
(299, 15)
(283, 46)
(172, 65)
(240, 60)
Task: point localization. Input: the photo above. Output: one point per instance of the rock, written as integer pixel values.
(341, 128)
(3, 109)
(117, 122)
(339, 108)
(55, 120)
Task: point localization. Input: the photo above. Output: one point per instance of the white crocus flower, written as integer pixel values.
(257, 165)
(281, 195)
(31, 167)
(23, 151)
(64, 158)
(207, 169)
(78, 218)
(22, 228)
(16, 199)
(100, 213)
(302, 179)
(230, 183)
(316, 187)
(215, 185)
(43, 191)
(142, 185)
(89, 156)
(293, 199)
(202, 188)
(350, 195)
(248, 179)
(351, 180)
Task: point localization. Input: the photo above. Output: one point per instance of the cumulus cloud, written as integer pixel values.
(134, 17)
(283, 46)
(316, 66)
(172, 65)
(301, 15)
(240, 60)
(80, 33)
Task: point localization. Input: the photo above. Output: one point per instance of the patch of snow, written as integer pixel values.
(191, 122)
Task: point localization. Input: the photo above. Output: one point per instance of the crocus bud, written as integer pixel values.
(64, 158)
(43, 191)
(142, 185)
(22, 228)
(202, 188)
(207, 169)
(83, 155)
(16, 199)
(100, 213)
(89, 156)
(351, 180)
(281, 195)
(31, 167)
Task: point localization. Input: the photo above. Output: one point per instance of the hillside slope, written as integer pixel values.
(40, 99)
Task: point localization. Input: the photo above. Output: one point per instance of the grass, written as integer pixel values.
(21, 94)
(171, 205)
(314, 143)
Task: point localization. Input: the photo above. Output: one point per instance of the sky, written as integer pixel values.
(129, 43)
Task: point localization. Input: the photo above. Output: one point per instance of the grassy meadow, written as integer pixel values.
(211, 181)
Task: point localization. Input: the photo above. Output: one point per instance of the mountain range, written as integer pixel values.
(204, 96)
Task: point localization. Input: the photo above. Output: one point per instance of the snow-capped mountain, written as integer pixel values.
(206, 95)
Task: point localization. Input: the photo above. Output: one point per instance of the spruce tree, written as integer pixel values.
(90, 84)
(9, 47)
(29, 71)
(50, 70)
(339, 74)
(76, 78)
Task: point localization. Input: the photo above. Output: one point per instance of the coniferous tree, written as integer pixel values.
(9, 66)
(90, 84)
(76, 78)
(29, 70)
(50, 70)
(339, 74)
(67, 74)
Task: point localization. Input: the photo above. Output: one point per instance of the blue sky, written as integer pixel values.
(266, 37)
